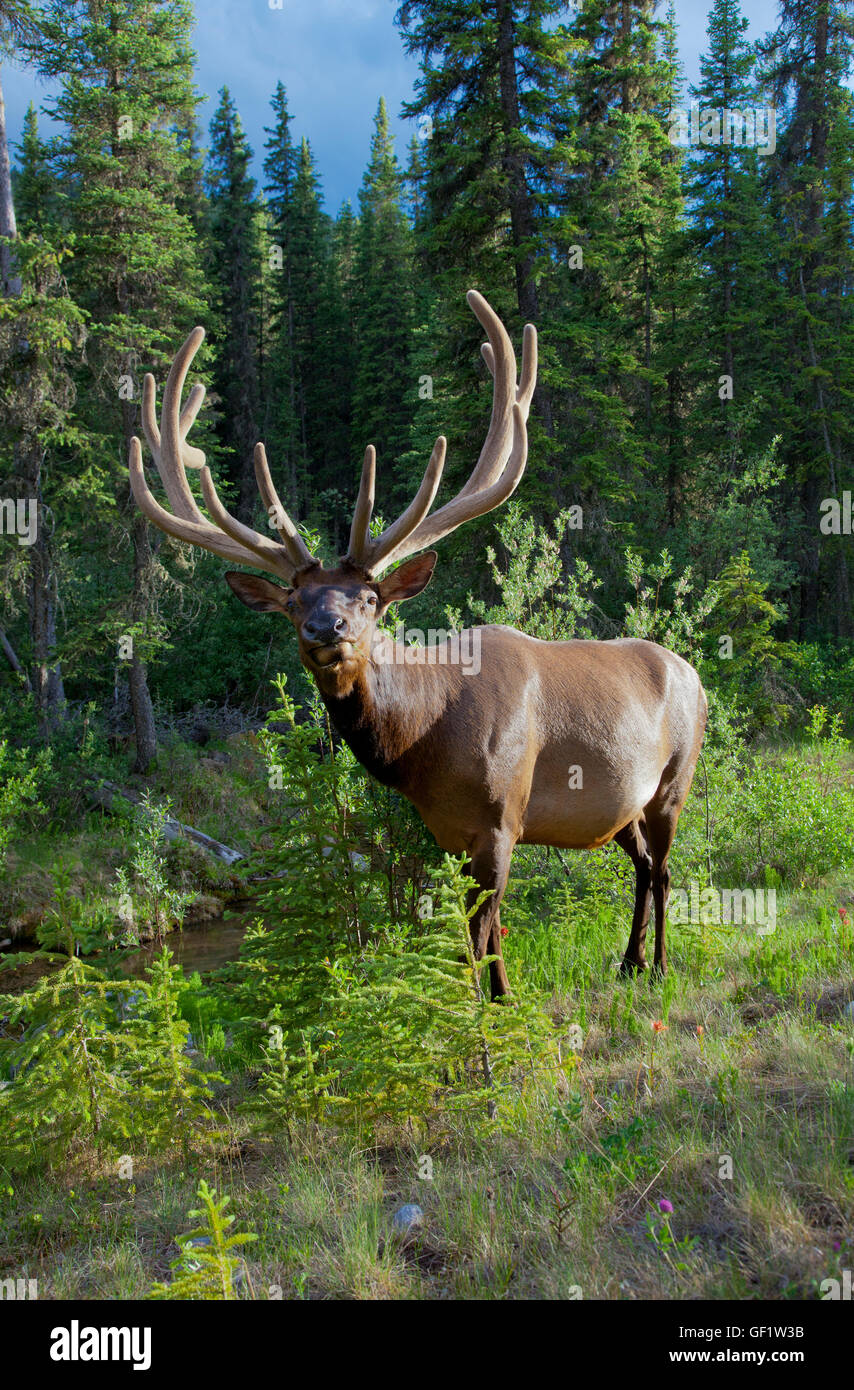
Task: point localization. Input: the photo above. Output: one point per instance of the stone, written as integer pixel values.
(406, 1219)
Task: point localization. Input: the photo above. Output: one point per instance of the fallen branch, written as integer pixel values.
(11, 657)
(107, 793)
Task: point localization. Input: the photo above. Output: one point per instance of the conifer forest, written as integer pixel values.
(335, 775)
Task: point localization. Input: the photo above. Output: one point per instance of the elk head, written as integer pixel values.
(335, 611)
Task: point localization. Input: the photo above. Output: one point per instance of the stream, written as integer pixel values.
(202, 948)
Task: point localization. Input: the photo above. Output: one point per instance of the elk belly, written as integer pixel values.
(586, 808)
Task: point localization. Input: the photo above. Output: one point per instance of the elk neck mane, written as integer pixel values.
(388, 713)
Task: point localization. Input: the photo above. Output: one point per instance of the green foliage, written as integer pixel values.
(765, 816)
(147, 897)
(535, 593)
(741, 635)
(92, 1062)
(369, 997)
(206, 1268)
(675, 622)
(70, 1083)
(174, 1092)
(20, 776)
(74, 924)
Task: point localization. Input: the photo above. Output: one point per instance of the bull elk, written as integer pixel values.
(484, 758)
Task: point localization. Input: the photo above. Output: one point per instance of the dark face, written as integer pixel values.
(335, 612)
(335, 619)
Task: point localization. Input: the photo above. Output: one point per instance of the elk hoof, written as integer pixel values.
(632, 967)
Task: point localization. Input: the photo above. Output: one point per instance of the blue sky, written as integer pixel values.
(336, 58)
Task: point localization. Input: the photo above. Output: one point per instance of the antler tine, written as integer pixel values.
(256, 544)
(194, 532)
(466, 507)
(229, 538)
(360, 530)
(380, 553)
(501, 462)
(298, 551)
(502, 365)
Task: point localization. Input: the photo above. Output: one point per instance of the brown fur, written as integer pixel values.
(486, 758)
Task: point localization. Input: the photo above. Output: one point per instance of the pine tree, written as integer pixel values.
(385, 393)
(805, 66)
(18, 28)
(125, 75)
(206, 1268)
(612, 290)
(39, 329)
(490, 72)
(33, 180)
(732, 236)
(235, 253)
(321, 362)
(69, 1086)
(280, 405)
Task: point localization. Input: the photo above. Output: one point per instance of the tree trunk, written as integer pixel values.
(140, 696)
(41, 601)
(41, 578)
(12, 657)
(10, 283)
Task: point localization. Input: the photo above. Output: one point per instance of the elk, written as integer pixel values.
(491, 759)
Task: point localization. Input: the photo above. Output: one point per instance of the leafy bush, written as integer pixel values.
(535, 595)
(20, 776)
(149, 901)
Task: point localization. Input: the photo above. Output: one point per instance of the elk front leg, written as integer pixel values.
(489, 867)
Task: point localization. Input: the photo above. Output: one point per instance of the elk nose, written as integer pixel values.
(324, 628)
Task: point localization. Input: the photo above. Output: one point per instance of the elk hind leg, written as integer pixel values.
(662, 819)
(632, 838)
(489, 867)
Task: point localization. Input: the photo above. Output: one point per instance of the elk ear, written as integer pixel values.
(257, 593)
(408, 580)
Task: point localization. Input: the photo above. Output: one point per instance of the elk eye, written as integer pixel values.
(372, 599)
(290, 606)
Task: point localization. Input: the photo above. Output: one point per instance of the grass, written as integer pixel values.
(739, 1112)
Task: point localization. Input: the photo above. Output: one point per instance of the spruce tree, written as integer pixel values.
(125, 91)
(732, 237)
(235, 250)
(280, 402)
(385, 394)
(805, 67)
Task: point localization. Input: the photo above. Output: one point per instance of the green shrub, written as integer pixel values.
(361, 980)
(206, 1269)
(21, 773)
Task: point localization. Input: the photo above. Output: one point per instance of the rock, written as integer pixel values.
(205, 908)
(406, 1219)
